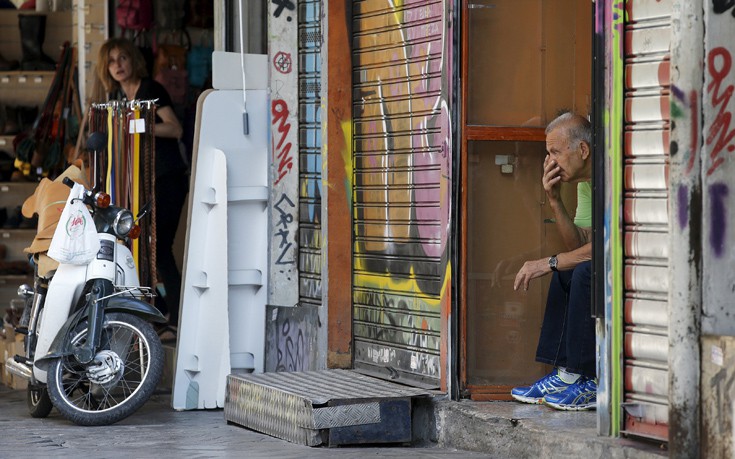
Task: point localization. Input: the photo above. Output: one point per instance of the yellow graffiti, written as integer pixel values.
(347, 152)
(409, 285)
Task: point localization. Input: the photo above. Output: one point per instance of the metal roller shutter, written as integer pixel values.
(310, 153)
(400, 191)
(645, 215)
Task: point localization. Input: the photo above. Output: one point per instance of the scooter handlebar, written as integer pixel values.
(68, 182)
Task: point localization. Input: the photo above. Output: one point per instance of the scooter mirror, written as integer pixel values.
(97, 141)
(145, 210)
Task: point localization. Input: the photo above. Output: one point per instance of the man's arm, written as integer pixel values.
(565, 261)
(573, 236)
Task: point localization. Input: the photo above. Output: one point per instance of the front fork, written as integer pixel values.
(95, 301)
(39, 295)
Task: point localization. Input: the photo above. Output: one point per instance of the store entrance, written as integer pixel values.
(524, 62)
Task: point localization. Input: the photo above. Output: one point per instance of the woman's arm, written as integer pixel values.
(170, 127)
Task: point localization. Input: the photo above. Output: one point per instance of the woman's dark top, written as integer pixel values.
(168, 156)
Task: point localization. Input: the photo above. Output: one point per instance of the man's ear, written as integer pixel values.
(584, 148)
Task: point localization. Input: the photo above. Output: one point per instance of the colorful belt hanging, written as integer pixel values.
(127, 170)
(110, 183)
(136, 179)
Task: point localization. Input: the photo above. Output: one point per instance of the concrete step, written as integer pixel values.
(517, 430)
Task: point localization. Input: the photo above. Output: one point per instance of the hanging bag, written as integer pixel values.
(170, 65)
(134, 15)
(75, 239)
(199, 61)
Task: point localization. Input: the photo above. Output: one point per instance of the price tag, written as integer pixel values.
(5, 79)
(4, 188)
(38, 79)
(137, 126)
(22, 79)
(2, 142)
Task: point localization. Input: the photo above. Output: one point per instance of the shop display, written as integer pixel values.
(124, 168)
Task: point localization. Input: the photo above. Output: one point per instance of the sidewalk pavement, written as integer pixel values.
(443, 429)
(157, 431)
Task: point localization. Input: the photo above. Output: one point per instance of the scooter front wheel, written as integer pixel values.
(39, 403)
(119, 380)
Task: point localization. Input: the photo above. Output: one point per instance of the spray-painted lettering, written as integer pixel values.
(285, 220)
(283, 4)
(291, 352)
(282, 150)
(719, 63)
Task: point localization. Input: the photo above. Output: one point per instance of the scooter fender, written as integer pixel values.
(134, 306)
(61, 346)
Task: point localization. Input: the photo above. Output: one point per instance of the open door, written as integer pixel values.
(524, 61)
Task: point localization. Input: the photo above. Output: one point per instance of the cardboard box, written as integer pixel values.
(167, 380)
(19, 383)
(10, 350)
(7, 378)
(9, 332)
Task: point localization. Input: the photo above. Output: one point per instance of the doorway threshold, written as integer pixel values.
(512, 429)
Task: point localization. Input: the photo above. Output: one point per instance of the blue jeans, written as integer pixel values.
(568, 331)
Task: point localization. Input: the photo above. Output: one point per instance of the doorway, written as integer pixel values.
(523, 62)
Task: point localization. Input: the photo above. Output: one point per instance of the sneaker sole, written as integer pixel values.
(531, 400)
(589, 406)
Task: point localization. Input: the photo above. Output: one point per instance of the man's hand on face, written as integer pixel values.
(531, 270)
(551, 179)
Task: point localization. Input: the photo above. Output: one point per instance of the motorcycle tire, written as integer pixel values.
(39, 403)
(89, 402)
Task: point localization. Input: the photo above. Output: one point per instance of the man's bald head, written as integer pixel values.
(575, 128)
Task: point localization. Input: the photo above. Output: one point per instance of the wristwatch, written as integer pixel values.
(553, 262)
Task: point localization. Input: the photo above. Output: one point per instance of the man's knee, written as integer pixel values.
(582, 274)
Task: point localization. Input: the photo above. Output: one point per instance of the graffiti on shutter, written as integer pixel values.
(401, 186)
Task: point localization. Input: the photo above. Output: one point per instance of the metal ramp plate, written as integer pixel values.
(336, 407)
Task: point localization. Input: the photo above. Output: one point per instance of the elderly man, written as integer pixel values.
(567, 338)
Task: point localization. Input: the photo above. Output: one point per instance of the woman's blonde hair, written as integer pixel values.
(124, 46)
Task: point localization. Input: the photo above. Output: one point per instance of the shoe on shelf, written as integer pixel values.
(549, 384)
(14, 218)
(582, 395)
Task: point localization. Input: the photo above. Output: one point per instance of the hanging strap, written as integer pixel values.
(136, 183)
(109, 182)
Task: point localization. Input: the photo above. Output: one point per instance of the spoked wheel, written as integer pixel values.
(39, 403)
(119, 380)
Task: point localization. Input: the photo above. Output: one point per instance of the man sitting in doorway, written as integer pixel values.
(567, 339)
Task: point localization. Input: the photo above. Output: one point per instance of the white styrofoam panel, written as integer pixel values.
(222, 327)
(227, 71)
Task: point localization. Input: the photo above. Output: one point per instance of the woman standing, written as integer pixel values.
(122, 71)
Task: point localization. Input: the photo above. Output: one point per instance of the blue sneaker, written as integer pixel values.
(535, 393)
(582, 395)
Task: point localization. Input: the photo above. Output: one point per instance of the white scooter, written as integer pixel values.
(90, 350)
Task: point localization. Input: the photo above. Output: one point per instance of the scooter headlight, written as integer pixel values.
(123, 223)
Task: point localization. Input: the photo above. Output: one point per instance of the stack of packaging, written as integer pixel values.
(11, 344)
